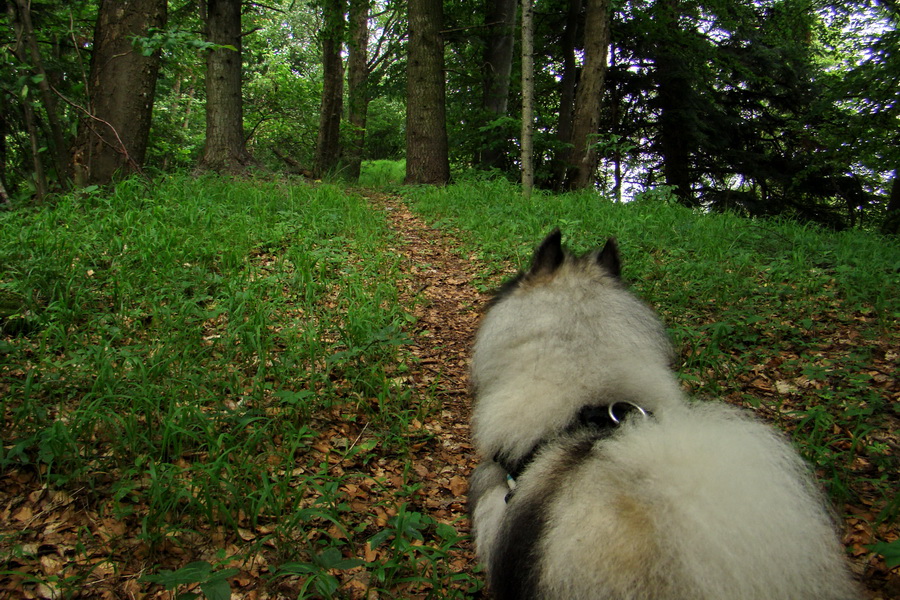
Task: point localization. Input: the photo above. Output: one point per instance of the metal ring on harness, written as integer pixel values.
(632, 405)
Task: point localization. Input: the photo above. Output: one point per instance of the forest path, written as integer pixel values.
(447, 310)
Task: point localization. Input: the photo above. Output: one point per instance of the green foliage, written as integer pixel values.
(386, 130)
(283, 84)
(56, 25)
(783, 109)
(382, 173)
(174, 40)
(173, 259)
(178, 130)
(317, 572)
(406, 535)
(213, 584)
(890, 551)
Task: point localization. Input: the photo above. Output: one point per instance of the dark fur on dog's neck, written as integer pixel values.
(594, 419)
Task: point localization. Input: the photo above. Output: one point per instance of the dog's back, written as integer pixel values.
(691, 501)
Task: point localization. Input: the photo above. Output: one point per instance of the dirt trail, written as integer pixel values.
(447, 316)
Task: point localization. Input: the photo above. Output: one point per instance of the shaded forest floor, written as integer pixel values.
(438, 282)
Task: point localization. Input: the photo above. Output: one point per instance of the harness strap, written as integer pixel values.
(601, 420)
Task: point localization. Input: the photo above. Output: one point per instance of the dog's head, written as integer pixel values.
(564, 334)
(551, 260)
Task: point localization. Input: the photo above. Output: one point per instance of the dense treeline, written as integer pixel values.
(766, 107)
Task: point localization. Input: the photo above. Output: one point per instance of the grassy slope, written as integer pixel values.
(798, 323)
(208, 368)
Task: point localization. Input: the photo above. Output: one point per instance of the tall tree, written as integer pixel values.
(585, 125)
(20, 50)
(28, 53)
(891, 223)
(427, 159)
(527, 97)
(225, 148)
(566, 91)
(357, 84)
(328, 143)
(498, 59)
(122, 85)
(673, 91)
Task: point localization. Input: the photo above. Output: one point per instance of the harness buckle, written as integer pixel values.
(630, 406)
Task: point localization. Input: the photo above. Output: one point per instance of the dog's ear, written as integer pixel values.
(608, 258)
(549, 255)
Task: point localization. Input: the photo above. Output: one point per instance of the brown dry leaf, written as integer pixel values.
(23, 514)
(48, 590)
(458, 485)
(51, 565)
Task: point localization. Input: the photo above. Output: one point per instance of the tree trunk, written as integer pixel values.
(498, 58)
(672, 87)
(328, 143)
(113, 138)
(615, 105)
(567, 92)
(673, 143)
(891, 223)
(583, 160)
(27, 42)
(40, 178)
(357, 84)
(427, 159)
(4, 131)
(527, 97)
(225, 149)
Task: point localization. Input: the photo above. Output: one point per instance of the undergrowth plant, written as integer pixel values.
(382, 173)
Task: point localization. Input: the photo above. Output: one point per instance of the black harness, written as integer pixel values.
(600, 421)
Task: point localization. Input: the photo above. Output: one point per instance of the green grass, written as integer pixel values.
(202, 359)
(797, 322)
(382, 173)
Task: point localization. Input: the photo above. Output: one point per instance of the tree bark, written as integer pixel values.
(357, 85)
(328, 143)
(427, 154)
(672, 86)
(4, 130)
(498, 58)
(27, 52)
(567, 92)
(40, 180)
(891, 223)
(225, 148)
(113, 137)
(583, 160)
(527, 97)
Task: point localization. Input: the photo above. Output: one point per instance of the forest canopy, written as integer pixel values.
(764, 107)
